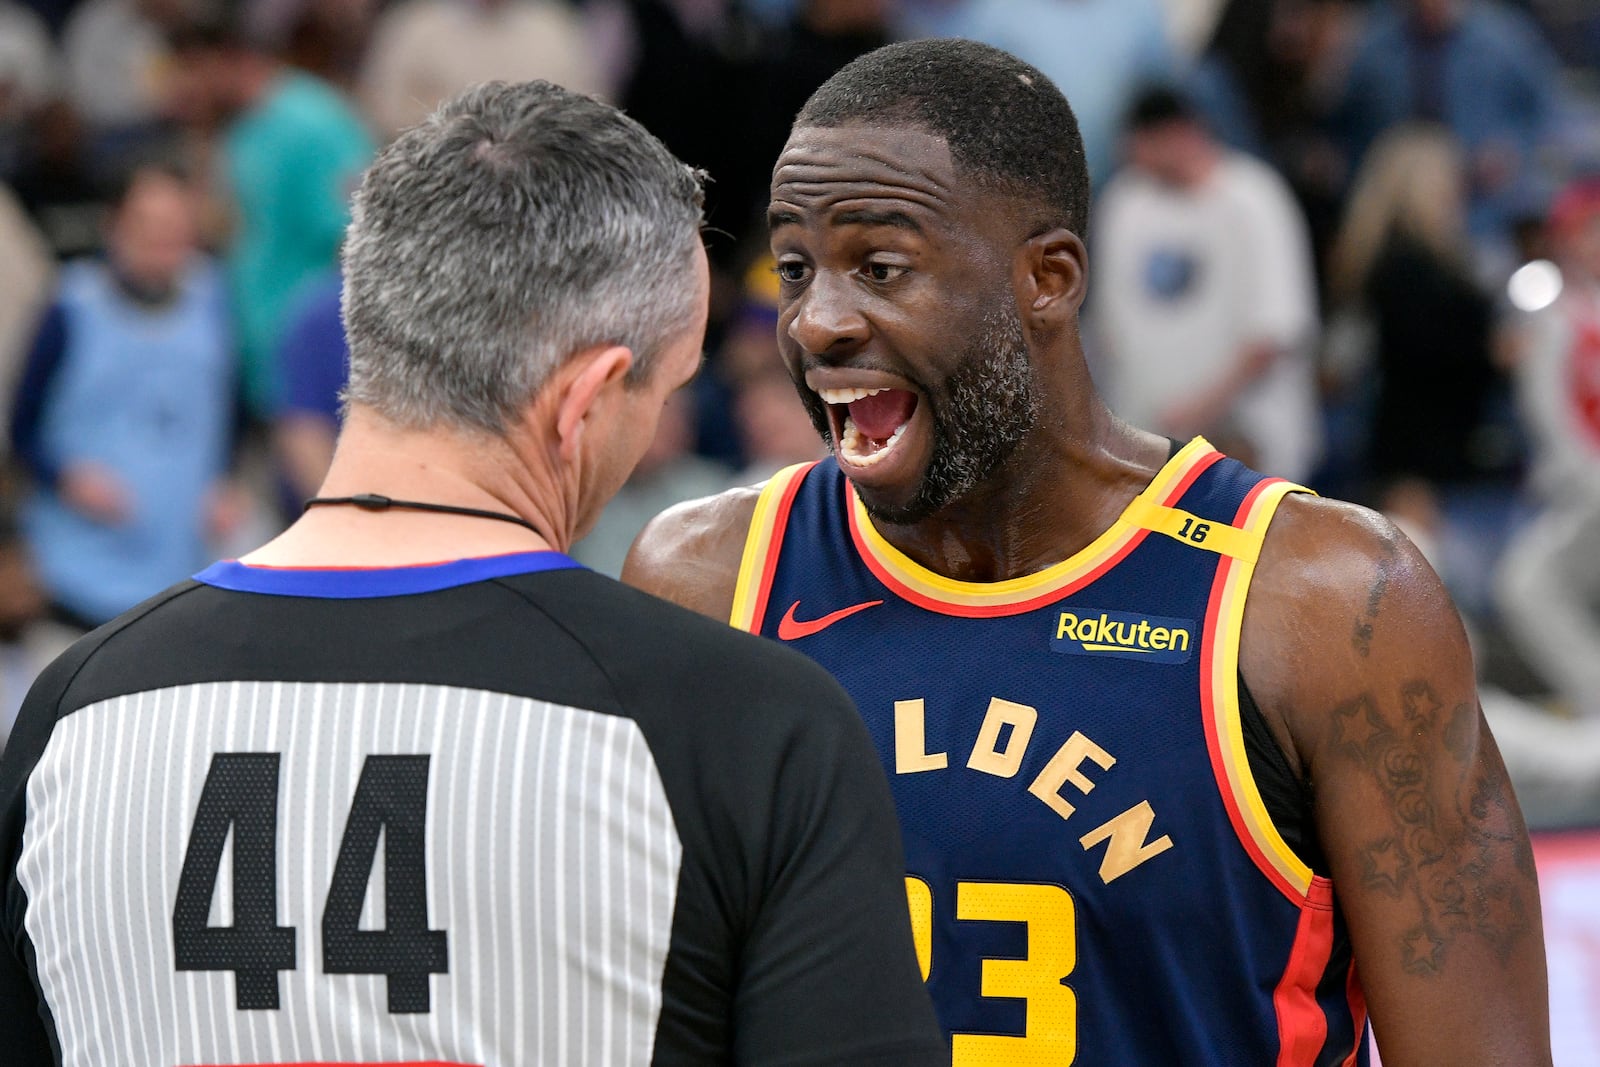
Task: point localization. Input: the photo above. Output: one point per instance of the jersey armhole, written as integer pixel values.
(1287, 798)
(759, 562)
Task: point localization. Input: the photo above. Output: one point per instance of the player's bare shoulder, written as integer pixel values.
(1342, 603)
(690, 553)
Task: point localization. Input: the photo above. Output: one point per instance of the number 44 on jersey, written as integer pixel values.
(241, 796)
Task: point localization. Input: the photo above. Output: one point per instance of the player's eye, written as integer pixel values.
(883, 272)
(792, 271)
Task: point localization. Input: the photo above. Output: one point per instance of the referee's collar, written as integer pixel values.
(351, 583)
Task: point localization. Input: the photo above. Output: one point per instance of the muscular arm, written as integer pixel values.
(1359, 660)
(689, 554)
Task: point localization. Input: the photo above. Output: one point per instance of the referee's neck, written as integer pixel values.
(436, 465)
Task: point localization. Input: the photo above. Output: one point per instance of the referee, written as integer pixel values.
(407, 785)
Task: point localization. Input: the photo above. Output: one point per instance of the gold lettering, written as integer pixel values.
(1063, 768)
(1127, 848)
(1039, 979)
(1180, 640)
(1158, 638)
(919, 895)
(985, 756)
(1068, 627)
(910, 744)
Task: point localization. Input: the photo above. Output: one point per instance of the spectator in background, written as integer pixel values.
(1098, 52)
(27, 56)
(1403, 261)
(1479, 68)
(27, 78)
(116, 52)
(28, 73)
(424, 51)
(292, 149)
(26, 275)
(1206, 309)
(316, 363)
(1265, 85)
(1549, 582)
(327, 38)
(124, 411)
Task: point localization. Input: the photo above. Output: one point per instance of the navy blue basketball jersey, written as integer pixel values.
(1092, 872)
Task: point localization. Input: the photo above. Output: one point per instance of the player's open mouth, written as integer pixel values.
(868, 424)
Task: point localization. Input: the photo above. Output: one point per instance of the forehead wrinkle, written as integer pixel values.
(808, 167)
(793, 201)
(894, 169)
(853, 197)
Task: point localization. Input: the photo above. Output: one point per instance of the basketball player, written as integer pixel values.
(1189, 763)
(406, 785)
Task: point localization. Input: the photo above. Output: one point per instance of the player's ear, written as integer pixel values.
(584, 384)
(1052, 274)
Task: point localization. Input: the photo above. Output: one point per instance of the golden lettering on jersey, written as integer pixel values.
(1065, 766)
(986, 756)
(1129, 845)
(910, 746)
(1126, 835)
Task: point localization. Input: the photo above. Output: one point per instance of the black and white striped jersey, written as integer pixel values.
(498, 811)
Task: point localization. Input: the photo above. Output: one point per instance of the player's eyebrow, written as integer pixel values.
(867, 217)
(776, 218)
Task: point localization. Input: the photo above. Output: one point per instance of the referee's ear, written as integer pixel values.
(582, 390)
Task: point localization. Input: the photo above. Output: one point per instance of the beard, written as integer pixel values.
(980, 414)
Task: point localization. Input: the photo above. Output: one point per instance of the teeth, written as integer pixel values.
(853, 444)
(846, 396)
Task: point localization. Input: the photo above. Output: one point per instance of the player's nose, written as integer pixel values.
(826, 319)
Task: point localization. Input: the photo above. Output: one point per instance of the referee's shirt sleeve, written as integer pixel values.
(828, 974)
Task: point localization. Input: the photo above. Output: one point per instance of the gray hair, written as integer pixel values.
(516, 226)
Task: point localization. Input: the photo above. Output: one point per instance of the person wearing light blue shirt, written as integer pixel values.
(124, 416)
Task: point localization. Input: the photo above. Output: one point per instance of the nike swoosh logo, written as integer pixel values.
(792, 629)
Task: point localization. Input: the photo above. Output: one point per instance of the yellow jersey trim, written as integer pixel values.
(934, 590)
(1223, 682)
(761, 545)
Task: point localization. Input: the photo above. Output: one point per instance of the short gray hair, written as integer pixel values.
(517, 225)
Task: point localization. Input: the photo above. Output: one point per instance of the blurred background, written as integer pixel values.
(1355, 242)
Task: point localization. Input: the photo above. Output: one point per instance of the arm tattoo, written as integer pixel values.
(1440, 850)
(1361, 634)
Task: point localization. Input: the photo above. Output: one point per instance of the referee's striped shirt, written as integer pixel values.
(496, 811)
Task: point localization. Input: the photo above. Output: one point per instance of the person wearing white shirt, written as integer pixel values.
(1206, 304)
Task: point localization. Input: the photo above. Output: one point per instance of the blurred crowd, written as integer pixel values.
(1355, 242)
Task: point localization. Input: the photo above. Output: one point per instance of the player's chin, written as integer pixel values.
(890, 470)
